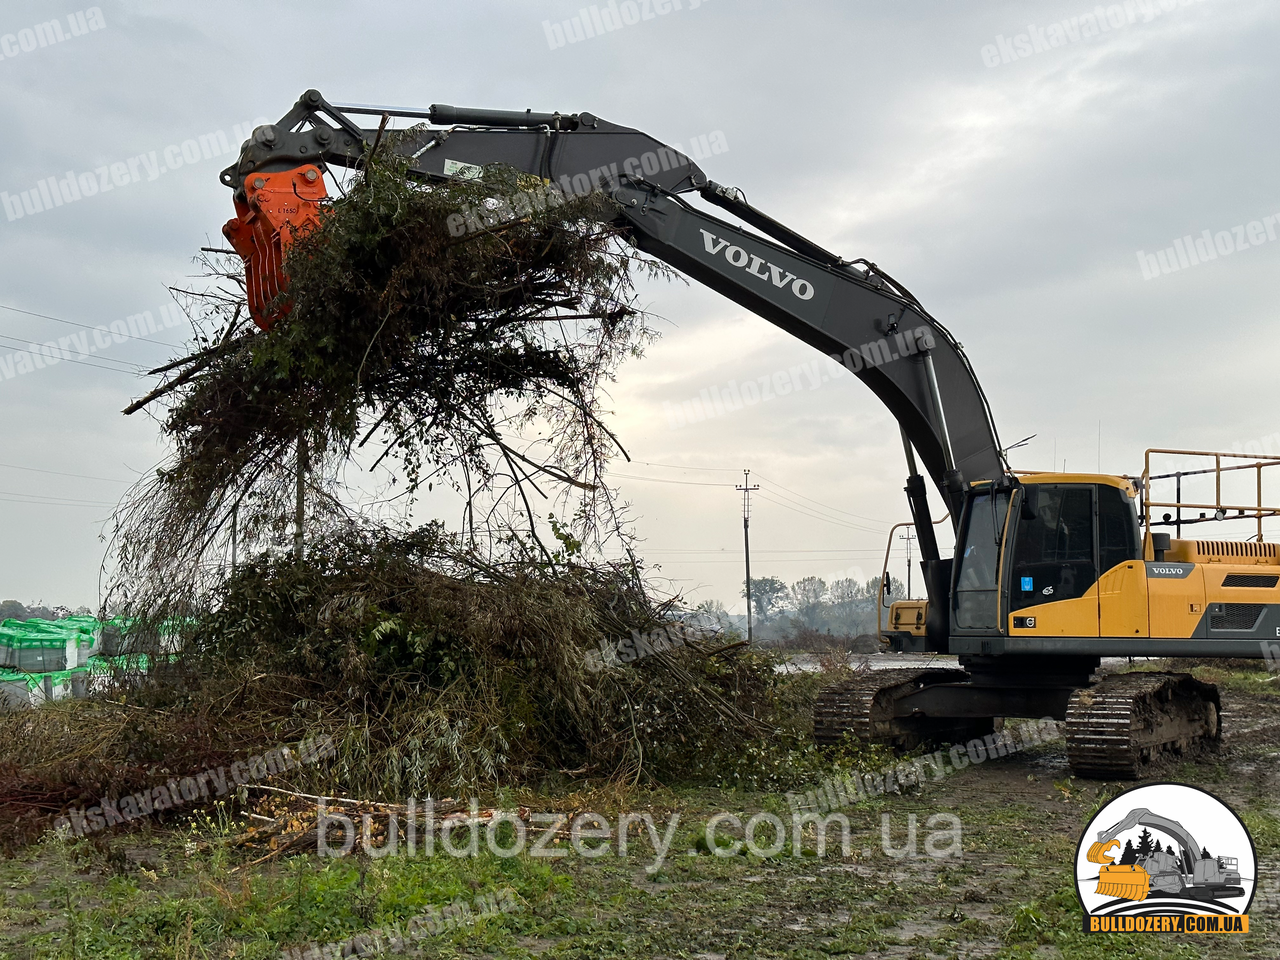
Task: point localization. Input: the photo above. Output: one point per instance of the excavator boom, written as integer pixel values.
(851, 311)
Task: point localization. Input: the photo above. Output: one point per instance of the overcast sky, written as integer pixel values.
(1012, 199)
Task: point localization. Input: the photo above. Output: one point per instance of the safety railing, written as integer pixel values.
(1215, 511)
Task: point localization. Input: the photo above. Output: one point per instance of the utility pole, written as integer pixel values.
(746, 489)
(300, 505)
(908, 537)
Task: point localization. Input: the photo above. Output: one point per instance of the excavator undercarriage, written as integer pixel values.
(1118, 727)
(1125, 724)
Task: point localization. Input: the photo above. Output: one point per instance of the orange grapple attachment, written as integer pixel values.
(1101, 852)
(278, 208)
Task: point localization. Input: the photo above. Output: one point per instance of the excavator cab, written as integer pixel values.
(1030, 556)
(1075, 563)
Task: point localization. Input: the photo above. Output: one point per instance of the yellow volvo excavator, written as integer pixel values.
(1050, 572)
(1057, 566)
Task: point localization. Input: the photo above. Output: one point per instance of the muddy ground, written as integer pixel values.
(174, 891)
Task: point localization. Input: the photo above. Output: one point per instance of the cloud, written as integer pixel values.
(1010, 200)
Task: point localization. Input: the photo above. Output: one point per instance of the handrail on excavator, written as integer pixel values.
(1221, 511)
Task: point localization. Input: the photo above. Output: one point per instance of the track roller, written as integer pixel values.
(1122, 725)
(864, 707)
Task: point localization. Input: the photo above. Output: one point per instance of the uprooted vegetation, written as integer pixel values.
(434, 676)
(476, 362)
(438, 662)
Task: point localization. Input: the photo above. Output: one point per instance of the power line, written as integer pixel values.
(37, 343)
(136, 371)
(774, 560)
(813, 511)
(772, 483)
(799, 508)
(815, 516)
(827, 506)
(55, 473)
(87, 326)
(686, 483)
(52, 501)
(726, 549)
(672, 466)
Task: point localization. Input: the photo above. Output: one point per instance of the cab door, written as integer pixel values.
(1122, 588)
(1053, 579)
(976, 590)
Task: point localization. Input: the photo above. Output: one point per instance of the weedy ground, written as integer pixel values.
(157, 892)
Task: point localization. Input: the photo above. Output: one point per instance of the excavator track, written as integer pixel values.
(864, 707)
(1122, 725)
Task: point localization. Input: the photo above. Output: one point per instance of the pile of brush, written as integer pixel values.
(433, 672)
(438, 663)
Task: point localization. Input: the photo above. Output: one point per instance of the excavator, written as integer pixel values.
(1050, 573)
(1192, 872)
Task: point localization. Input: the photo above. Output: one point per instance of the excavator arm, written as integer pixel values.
(852, 311)
(1100, 851)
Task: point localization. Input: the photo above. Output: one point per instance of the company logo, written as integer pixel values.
(1166, 858)
(757, 266)
(1170, 571)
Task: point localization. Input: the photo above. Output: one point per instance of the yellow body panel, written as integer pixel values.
(1128, 603)
(1122, 600)
(909, 616)
(1234, 552)
(1215, 592)
(1097, 478)
(1062, 618)
(1176, 606)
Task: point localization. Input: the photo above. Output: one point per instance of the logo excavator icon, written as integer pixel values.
(1190, 872)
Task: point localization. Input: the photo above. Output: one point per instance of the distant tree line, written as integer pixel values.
(13, 610)
(805, 612)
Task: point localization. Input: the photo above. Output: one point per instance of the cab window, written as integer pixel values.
(1118, 538)
(977, 594)
(1053, 557)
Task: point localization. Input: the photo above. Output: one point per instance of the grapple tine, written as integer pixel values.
(276, 209)
(1128, 881)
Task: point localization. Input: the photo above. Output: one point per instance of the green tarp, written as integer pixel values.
(52, 659)
(47, 633)
(20, 689)
(44, 646)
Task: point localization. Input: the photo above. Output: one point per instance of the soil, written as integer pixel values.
(1009, 893)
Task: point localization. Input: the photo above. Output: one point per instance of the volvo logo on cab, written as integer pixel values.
(757, 266)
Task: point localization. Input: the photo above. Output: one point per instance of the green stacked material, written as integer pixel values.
(44, 660)
(46, 646)
(19, 688)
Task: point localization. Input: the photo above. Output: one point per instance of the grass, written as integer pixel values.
(1009, 896)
